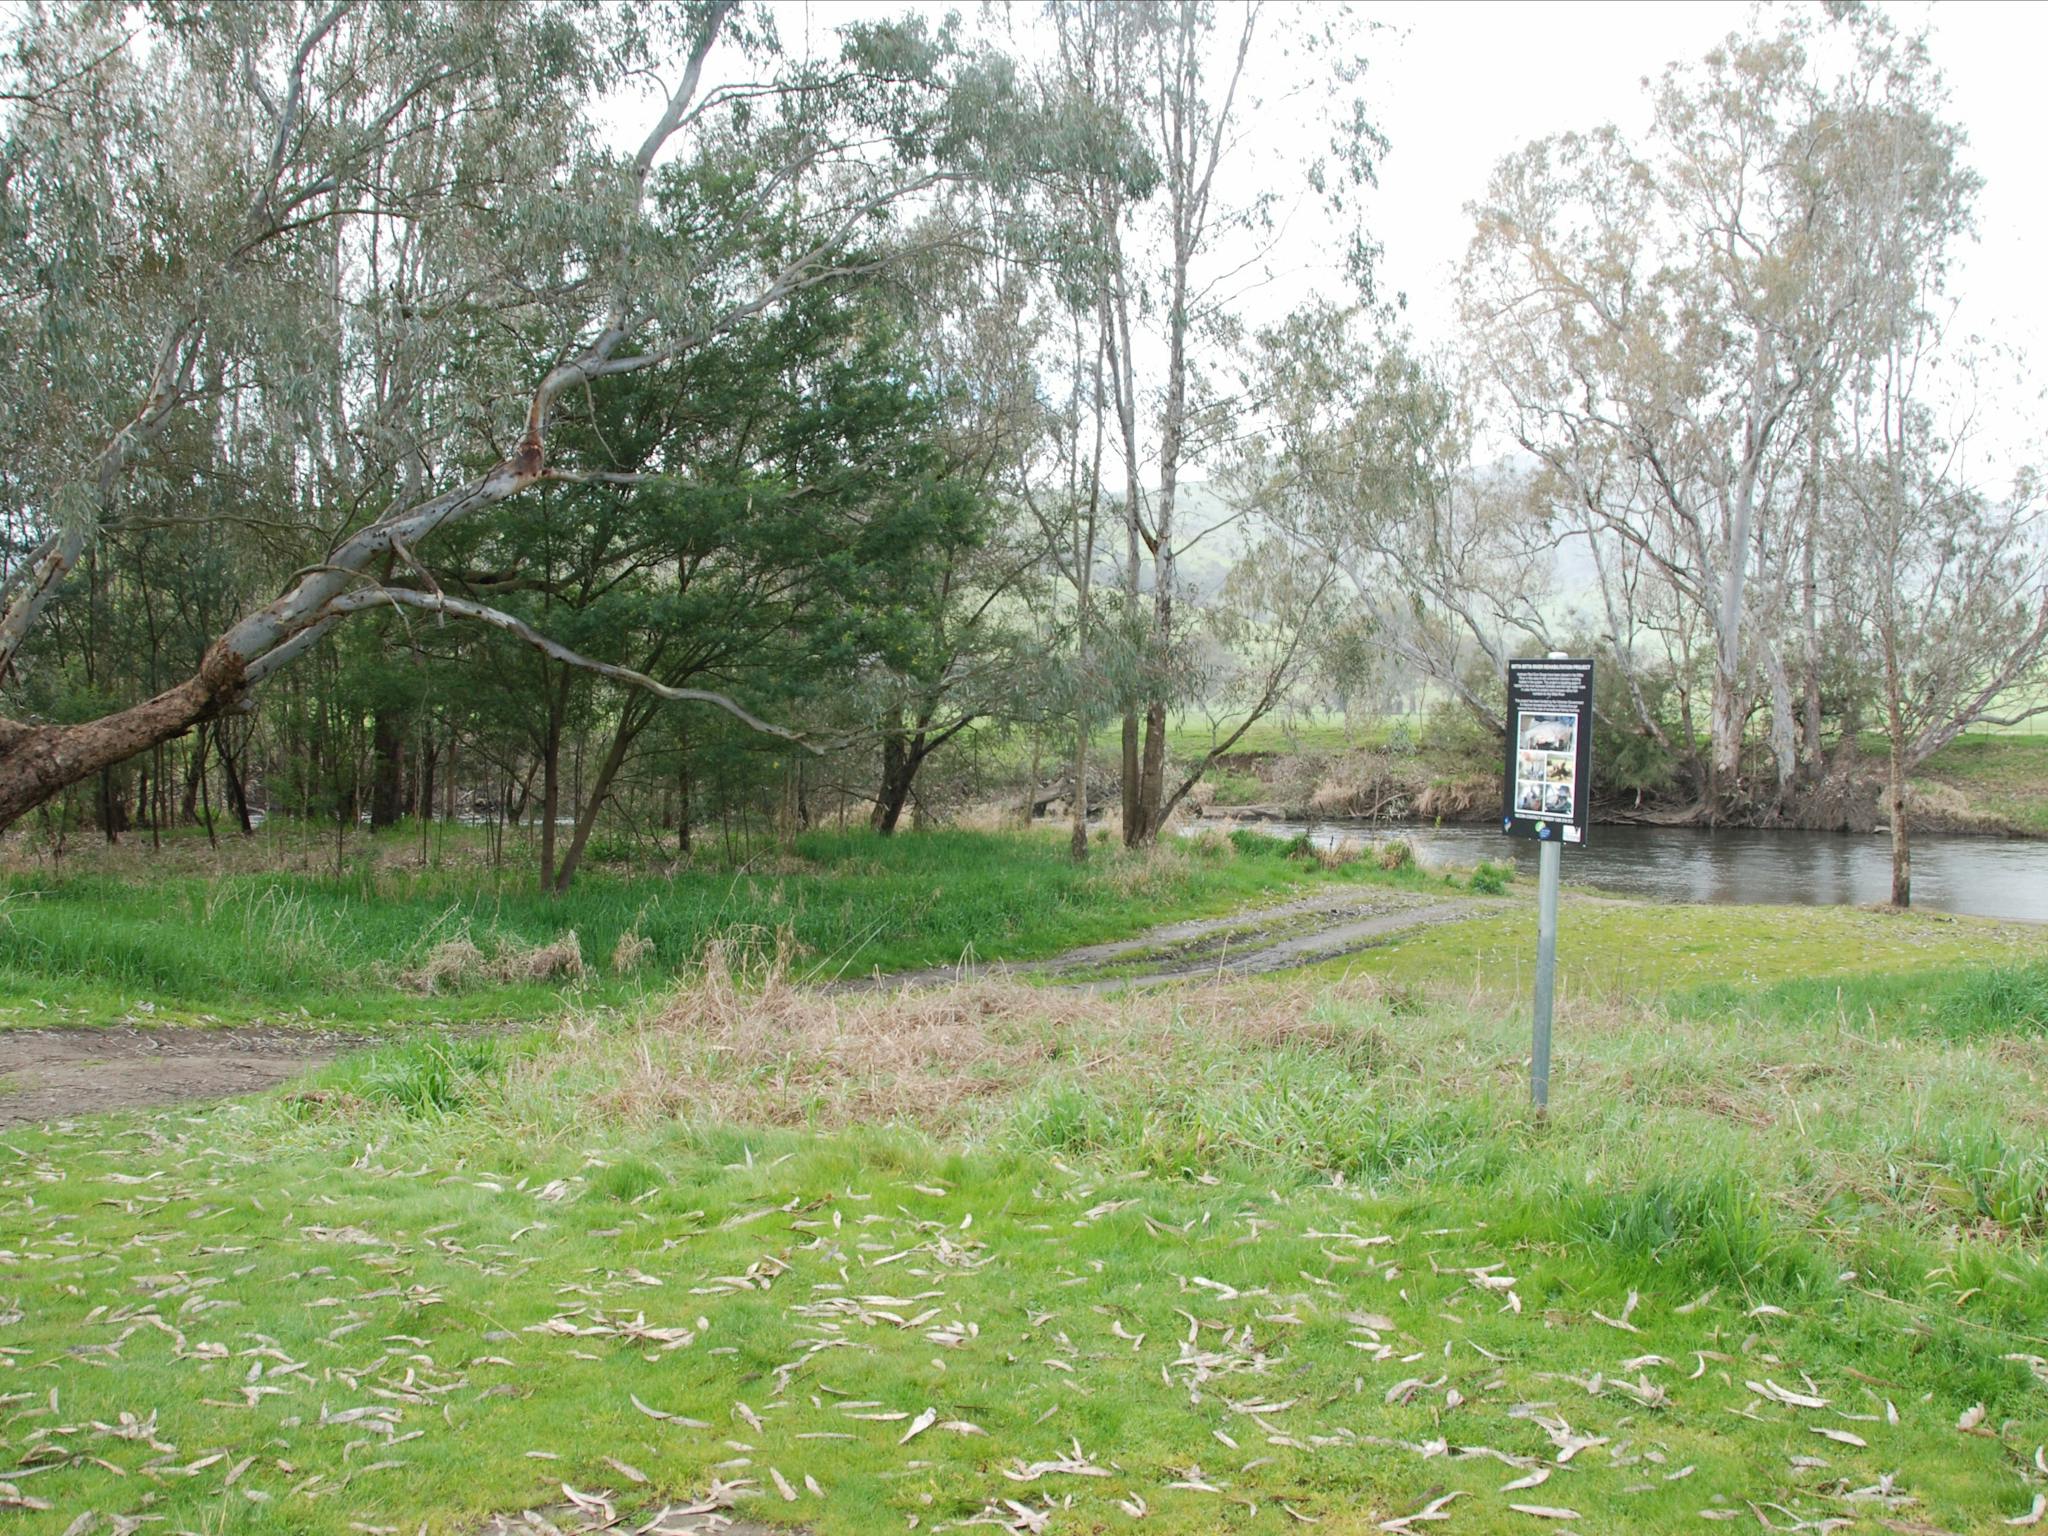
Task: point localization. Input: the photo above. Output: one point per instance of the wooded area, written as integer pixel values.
(615, 418)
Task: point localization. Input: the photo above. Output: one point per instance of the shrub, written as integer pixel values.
(1491, 879)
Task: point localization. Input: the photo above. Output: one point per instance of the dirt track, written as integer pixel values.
(1252, 942)
(52, 1074)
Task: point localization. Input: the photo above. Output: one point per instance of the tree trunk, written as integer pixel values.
(238, 795)
(1784, 728)
(1077, 803)
(683, 798)
(423, 786)
(195, 775)
(40, 761)
(551, 780)
(387, 784)
(1129, 786)
(1724, 744)
(113, 810)
(901, 757)
(586, 817)
(1895, 730)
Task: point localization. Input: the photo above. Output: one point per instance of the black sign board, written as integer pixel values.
(1550, 750)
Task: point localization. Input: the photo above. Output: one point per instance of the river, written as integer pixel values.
(1982, 876)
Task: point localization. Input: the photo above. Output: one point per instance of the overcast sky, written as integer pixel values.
(1457, 86)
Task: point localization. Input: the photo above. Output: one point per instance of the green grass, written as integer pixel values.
(2005, 775)
(1626, 950)
(1305, 1238)
(1956, 1003)
(79, 946)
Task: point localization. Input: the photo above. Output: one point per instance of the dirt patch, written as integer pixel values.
(53, 1074)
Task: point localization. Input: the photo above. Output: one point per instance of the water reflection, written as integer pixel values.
(1983, 876)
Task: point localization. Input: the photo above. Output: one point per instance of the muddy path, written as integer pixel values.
(1251, 942)
(54, 1074)
(57, 1074)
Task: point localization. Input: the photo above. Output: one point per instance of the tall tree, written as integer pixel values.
(364, 260)
(1671, 323)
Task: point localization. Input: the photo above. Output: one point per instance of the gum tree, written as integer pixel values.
(350, 267)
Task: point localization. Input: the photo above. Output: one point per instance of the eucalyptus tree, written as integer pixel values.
(1674, 323)
(1950, 582)
(1173, 261)
(359, 262)
(1367, 459)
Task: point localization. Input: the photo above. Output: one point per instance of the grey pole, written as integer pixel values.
(1550, 856)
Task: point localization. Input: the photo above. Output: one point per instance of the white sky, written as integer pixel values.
(1456, 86)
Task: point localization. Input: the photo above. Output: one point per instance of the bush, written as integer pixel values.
(1491, 879)
(1451, 736)
(1396, 855)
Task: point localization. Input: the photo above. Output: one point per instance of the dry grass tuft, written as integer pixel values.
(630, 953)
(543, 962)
(450, 964)
(742, 1042)
(456, 963)
(1142, 873)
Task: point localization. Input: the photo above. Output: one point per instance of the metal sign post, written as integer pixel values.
(1549, 781)
(1549, 859)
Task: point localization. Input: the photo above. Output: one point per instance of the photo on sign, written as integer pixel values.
(1549, 733)
(1546, 764)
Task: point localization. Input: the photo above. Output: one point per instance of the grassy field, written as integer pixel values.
(1221, 1257)
(1226, 1258)
(1616, 951)
(172, 937)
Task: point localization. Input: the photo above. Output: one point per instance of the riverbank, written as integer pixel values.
(1995, 877)
(1983, 785)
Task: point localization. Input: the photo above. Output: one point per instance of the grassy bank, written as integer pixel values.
(2002, 776)
(142, 938)
(1227, 1259)
(1620, 951)
(1986, 782)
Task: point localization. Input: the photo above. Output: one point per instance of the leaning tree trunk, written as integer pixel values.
(586, 815)
(40, 761)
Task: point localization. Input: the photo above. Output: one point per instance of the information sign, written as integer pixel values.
(1550, 750)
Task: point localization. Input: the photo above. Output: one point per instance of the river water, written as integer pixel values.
(1983, 876)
